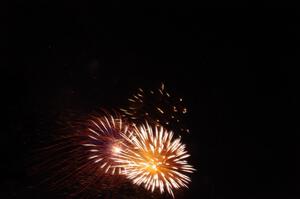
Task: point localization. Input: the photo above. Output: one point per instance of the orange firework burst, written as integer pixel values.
(155, 159)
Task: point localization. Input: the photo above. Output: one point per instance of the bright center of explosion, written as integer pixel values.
(116, 149)
(153, 166)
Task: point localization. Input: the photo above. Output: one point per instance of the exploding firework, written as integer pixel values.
(154, 159)
(156, 106)
(103, 152)
(104, 141)
(81, 157)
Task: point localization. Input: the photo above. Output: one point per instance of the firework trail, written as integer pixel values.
(156, 106)
(154, 159)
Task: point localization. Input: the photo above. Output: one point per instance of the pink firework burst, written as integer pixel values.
(104, 141)
(80, 159)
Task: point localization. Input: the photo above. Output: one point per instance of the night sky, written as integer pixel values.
(235, 69)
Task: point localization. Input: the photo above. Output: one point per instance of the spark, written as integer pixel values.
(160, 110)
(156, 104)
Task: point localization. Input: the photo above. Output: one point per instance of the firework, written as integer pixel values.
(154, 159)
(104, 152)
(104, 141)
(81, 156)
(156, 106)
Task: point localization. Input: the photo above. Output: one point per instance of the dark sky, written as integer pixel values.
(235, 69)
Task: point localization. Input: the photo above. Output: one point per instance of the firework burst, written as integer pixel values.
(104, 141)
(81, 156)
(154, 159)
(102, 152)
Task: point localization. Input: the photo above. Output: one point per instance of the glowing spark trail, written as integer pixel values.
(156, 106)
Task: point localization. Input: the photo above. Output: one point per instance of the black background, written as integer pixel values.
(236, 70)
